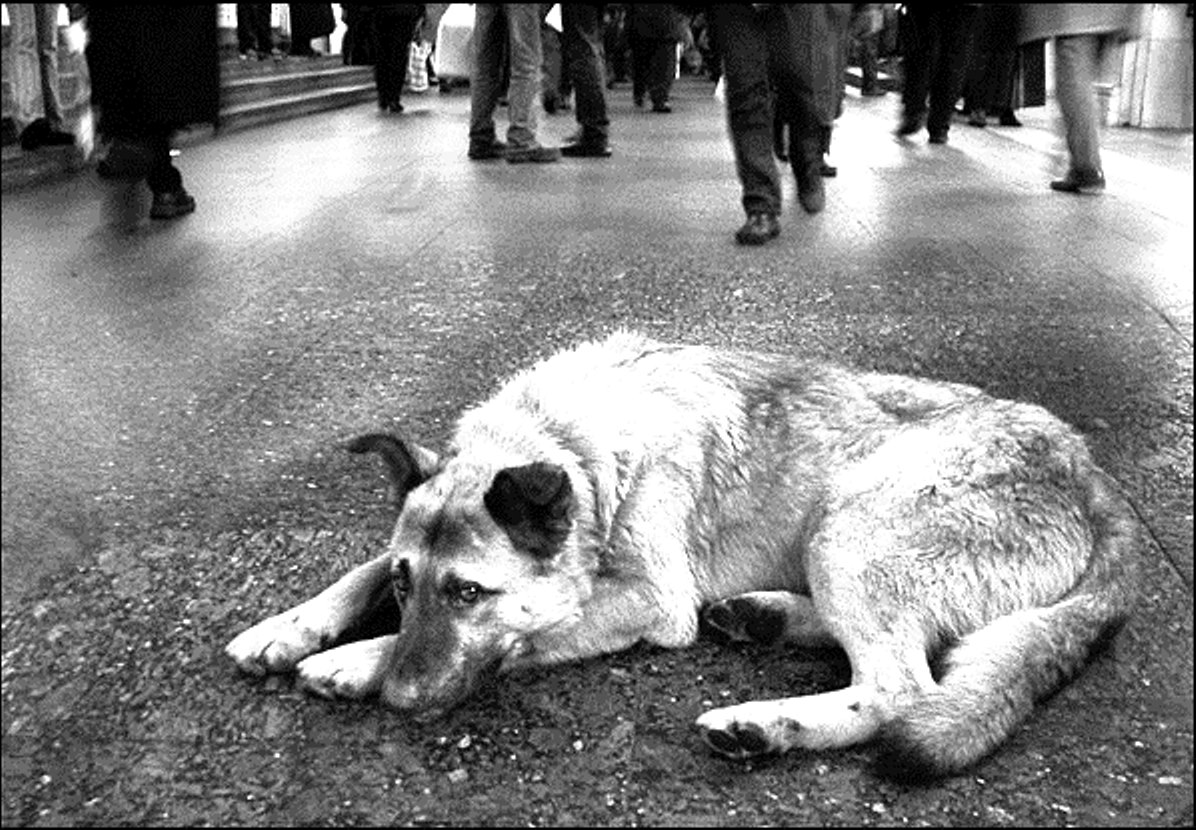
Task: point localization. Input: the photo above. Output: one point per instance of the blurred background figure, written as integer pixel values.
(255, 38)
(1084, 35)
(392, 28)
(936, 37)
(989, 85)
(310, 21)
(154, 70)
(652, 32)
(37, 110)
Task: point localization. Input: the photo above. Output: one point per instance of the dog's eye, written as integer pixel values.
(400, 580)
(468, 593)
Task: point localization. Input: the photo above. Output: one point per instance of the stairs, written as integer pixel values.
(252, 93)
(261, 92)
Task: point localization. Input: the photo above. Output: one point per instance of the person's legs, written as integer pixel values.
(740, 37)
(523, 31)
(1075, 72)
(583, 59)
(954, 34)
(485, 82)
(918, 33)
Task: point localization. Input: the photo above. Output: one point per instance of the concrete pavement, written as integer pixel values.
(173, 395)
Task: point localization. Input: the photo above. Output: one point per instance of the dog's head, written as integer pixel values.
(483, 560)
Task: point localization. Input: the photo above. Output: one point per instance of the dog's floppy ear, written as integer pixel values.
(409, 465)
(534, 505)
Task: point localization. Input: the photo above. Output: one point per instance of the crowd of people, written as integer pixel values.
(780, 69)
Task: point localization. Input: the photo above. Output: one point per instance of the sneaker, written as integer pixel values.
(172, 205)
(536, 153)
(758, 229)
(481, 150)
(1087, 182)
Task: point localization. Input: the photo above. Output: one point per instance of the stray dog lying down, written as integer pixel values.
(964, 551)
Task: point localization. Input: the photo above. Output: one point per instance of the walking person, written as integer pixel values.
(1084, 35)
(584, 65)
(513, 30)
(154, 70)
(255, 37)
(652, 32)
(790, 52)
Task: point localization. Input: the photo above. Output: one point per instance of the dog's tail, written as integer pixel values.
(992, 677)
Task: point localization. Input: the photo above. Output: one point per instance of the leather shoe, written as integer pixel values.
(586, 149)
(481, 150)
(172, 205)
(758, 229)
(1088, 182)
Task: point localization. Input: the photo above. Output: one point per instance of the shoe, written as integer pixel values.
(938, 136)
(172, 205)
(873, 91)
(639, 101)
(1087, 182)
(39, 133)
(811, 194)
(908, 125)
(1008, 119)
(758, 229)
(537, 154)
(481, 150)
(978, 118)
(247, 55)
(662, 107)
(586, 149)
(395, 107)
(828, 171)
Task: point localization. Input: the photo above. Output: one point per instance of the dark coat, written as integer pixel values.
(153, 67)
(311, 20)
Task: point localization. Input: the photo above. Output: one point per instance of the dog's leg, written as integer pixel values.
(882, 672)
(768, 617)
(354, 670)
(278, 643)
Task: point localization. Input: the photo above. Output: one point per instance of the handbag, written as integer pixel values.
(417, 65)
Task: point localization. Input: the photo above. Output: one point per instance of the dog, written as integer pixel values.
(964, 551)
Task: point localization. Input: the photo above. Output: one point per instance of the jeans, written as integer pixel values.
(500, 28)
(1077, 58)
(35, 64)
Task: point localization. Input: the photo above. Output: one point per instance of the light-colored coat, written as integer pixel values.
(1040, 21)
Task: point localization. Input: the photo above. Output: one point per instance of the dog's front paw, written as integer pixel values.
(275, 645)
(736, 732)
(350, 671)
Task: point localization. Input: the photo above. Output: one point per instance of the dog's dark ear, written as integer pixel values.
(534, 505)
(408, 465)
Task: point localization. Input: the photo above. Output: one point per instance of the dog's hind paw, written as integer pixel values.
(766, 618)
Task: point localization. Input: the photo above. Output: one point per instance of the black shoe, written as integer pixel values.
(586, 149)
(908, 125)
(172, 205)
(978, 118)
(481, 150)
(1008, 119)
(536, 154)
(395, 107)
(938, 136)
(661, 107)
(828, 171)
(758, 229)
(1087, 182)
(40, 134)
(873, 91)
